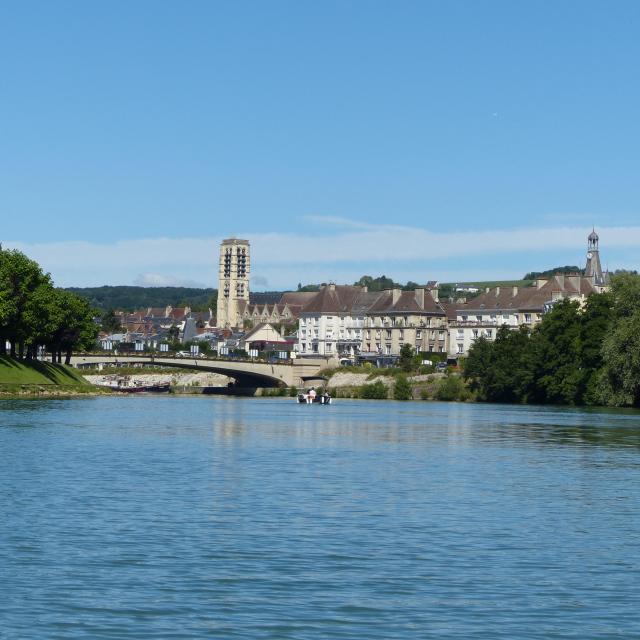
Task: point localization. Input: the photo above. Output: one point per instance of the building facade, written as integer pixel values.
(233, 282)
(400, 317)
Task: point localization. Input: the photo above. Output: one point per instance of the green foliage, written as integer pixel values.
(33, 313)
(377, 284)
(533, 275)
(110, 323)
(451, 388)
(575, 356)
(619, 378)
(132, 298)
(406, 360)
(402, 389)
(374, 391)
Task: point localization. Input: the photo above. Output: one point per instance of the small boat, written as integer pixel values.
(319, 398)
(127, 385)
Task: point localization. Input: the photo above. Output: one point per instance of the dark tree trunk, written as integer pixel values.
(21, 350)
(67, 359)
(13, 349)
(3, 345)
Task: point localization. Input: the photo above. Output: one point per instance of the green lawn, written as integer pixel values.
(15, 372)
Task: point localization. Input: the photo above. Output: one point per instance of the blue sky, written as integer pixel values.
(423, 140)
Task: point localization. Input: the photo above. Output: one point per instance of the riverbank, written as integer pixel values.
(41, 379)
(376, 385)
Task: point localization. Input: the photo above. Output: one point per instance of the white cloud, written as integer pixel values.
(342, 251)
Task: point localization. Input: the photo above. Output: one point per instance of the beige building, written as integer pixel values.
(400, 317)
(233, 282)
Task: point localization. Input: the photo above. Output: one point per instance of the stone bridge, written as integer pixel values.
(246, 373)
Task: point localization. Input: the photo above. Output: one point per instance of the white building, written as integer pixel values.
(332, 322)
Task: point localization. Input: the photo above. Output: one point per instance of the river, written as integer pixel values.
(199, 517)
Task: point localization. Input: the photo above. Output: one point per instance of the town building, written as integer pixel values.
(332, 321)
(233, 282)
(401, 317)
(523, 306)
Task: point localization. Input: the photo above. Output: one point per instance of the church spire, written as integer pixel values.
(593, 268)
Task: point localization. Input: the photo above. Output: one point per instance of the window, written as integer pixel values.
(479, 318)
(418, 334)
(401, 334)
(527, 318)
(387, 349)
(460, 348)
(329, 347)
(489, 333)
(388, 334)
(475, 334)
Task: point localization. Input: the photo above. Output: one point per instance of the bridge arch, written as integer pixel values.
(246, 374)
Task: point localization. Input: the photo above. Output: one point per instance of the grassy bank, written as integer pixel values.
(40, 378)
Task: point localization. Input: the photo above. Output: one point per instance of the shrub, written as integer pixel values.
(375, 391)
(451, 388)
(402, 389)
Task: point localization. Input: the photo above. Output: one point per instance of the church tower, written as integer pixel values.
(233, 282)
(593, 269)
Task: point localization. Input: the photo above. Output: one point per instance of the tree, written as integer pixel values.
(110, 322)
(405, 362)
(75, 328)
(555, 345)
(19, 279)
(619, 378)
(595, 324)
(402, 388)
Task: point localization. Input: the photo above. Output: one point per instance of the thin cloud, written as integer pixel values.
(339, 253)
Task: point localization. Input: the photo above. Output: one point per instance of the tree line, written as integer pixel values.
(577, 355)
(34, 313)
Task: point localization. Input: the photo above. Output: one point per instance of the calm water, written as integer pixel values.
(225, 518)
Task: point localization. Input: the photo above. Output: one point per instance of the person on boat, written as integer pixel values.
(312, 395)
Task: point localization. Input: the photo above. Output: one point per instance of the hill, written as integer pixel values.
(127, 298)
(447, 289)
(17, 376)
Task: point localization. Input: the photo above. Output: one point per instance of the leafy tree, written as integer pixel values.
(501, 371)
(595, 324)
(402, 388)
(533, 275)
(19, 279)
(555, 346)
(110, 322)
(619, 380)
(406, 361)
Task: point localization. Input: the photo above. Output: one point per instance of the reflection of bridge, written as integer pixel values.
(246, 373)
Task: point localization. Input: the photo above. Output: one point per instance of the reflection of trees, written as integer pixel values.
(587, 433)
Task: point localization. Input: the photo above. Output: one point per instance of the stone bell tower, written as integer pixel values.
(233, 282)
